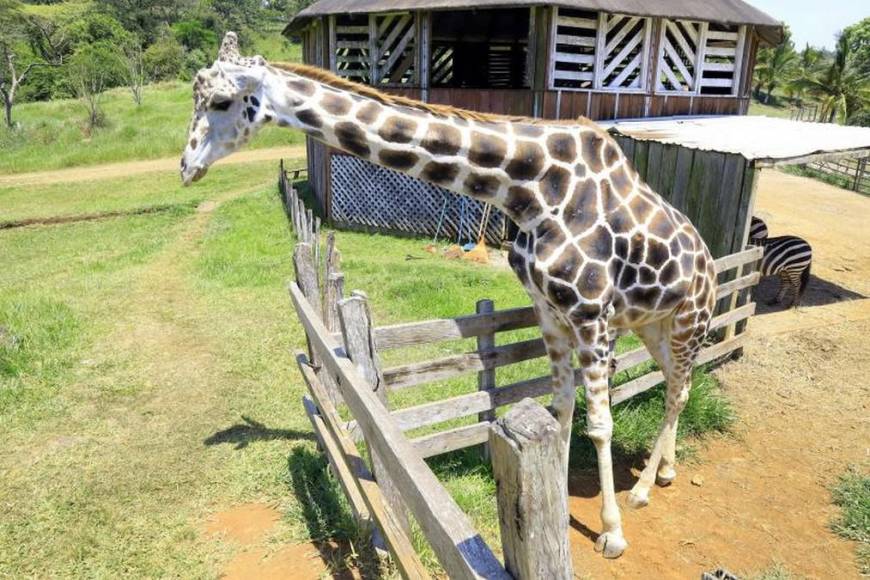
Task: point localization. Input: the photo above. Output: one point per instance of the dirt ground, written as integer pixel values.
(802, 396)
(114, 170)
(748, 501)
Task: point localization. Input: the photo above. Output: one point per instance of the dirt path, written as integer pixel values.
(801, 395)
(114, 170)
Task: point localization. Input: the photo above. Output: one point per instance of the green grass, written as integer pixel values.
(840, 181)
(760, 109)
(151, 382)
(852, 495)
(52, 133)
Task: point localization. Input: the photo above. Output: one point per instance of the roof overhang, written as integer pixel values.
(769, 142)
(724, 11)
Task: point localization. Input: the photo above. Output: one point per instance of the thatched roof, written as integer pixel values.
(724, 11)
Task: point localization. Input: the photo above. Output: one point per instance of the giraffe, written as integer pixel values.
(598, 252)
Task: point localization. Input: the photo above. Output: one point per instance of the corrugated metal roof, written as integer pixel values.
(725, 11)
(767, 140)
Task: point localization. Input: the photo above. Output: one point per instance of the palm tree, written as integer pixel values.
(841, 88)
(809, 61)
(775, 65)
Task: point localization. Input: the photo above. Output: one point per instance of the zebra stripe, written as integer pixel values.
(757, 231)
(790, 258)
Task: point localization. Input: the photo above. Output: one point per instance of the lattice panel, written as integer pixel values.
(678, 57)
(395, 60)
(442, 65)
(367, 195)
(623, 48)
(352, 49)
(574, 41)
(723, 57)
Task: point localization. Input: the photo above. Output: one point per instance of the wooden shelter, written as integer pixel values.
(602, 59)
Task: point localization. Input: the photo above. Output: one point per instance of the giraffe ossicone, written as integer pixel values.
(599, 252)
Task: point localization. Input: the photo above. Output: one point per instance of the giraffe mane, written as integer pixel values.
(328, 78)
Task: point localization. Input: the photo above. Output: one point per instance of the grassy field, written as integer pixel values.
(146, 380)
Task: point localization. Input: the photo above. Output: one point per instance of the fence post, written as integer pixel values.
(333, 293)
(526, 448)
(357, 329)
(486, 377)
(306, 278)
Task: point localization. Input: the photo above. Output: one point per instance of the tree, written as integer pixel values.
(134, 69)
(90, 71)
(13, 73)
(775, 65)
(859, 45)
(841, 88)
(164, 59)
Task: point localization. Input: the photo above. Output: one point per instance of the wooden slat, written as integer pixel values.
(400, 546)
(351, 44)
(629, 68)
(729, 288)
(574, 22)
(732, 261)
(352, 30)
(574, 41)
(623, 54)
(617, 38)
(648, 381)
(459, 548)
(571, 75)
(409, 375)
(733, 316)
(727, 83)
(471, 326)
(447, 441)
(723, 51)
(576, 58)
(716, 35)
(719, 66)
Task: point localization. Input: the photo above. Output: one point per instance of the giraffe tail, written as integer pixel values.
(805, 281)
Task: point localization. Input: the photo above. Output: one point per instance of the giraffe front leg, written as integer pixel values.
(595, 360)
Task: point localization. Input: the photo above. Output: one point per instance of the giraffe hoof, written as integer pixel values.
(611, 544)
(637, 499)
(666, 477)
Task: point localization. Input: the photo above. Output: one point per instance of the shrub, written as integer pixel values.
(164, 59)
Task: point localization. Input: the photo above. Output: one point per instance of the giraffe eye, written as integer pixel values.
(221, 105)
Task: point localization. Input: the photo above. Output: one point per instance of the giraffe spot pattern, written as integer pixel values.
(527, 162)
(592, 281)
(486, 150)
(369, 112)
(657, 253)
(442, 139)
(566, 265)
(554, 184)
(335, 104)
(611, 155)
(303, 86)
(398, 130)
(563, 147)
(352, 139)
(598, 245)
(479, 185)
(548, 237)
(440, 173)
(401, 160)
(580, 211)
(522, 204)
(592, 144)
(561, 294)
(620, 181)
(309, 117)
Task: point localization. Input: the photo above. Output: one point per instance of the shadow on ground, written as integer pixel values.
(819, 293)
(242, 434)
(328, 517)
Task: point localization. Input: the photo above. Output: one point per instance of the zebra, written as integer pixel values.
(757, 231)
(790, 258)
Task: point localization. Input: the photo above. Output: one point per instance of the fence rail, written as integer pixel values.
(343, 367)
(853, 171)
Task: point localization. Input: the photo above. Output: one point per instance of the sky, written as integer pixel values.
(813, 21)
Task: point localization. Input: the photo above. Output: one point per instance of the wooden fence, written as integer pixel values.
(852, 171)
(343, 369)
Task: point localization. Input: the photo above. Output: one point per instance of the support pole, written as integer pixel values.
(526, 447)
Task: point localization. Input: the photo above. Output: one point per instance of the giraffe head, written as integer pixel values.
(228, 108)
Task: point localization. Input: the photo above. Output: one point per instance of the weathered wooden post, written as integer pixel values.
(306, 278)
(333, 293)
(357, 329)
(526, 447)
(486, 377)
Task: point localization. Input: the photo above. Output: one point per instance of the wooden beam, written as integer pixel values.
(528, 464)
(459, 548)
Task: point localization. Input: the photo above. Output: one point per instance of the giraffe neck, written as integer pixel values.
(526, 170)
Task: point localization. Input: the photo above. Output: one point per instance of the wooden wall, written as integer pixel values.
(716, 191)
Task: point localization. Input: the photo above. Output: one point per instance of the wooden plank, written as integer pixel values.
(453, 440)
(486, 378)
(459, 548)
(356, 329)
(729, 288)
(587, 41)
(399, 544)
(748, 255)
(574, 22)
(576, 58)
(721, 51)
(716, 35)
(471, 326)
(528, 464)
(650, 380)
(733, 316)
(306, 277)
(409, 375)
(725, 83)
(617, 38)
(570, 75)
